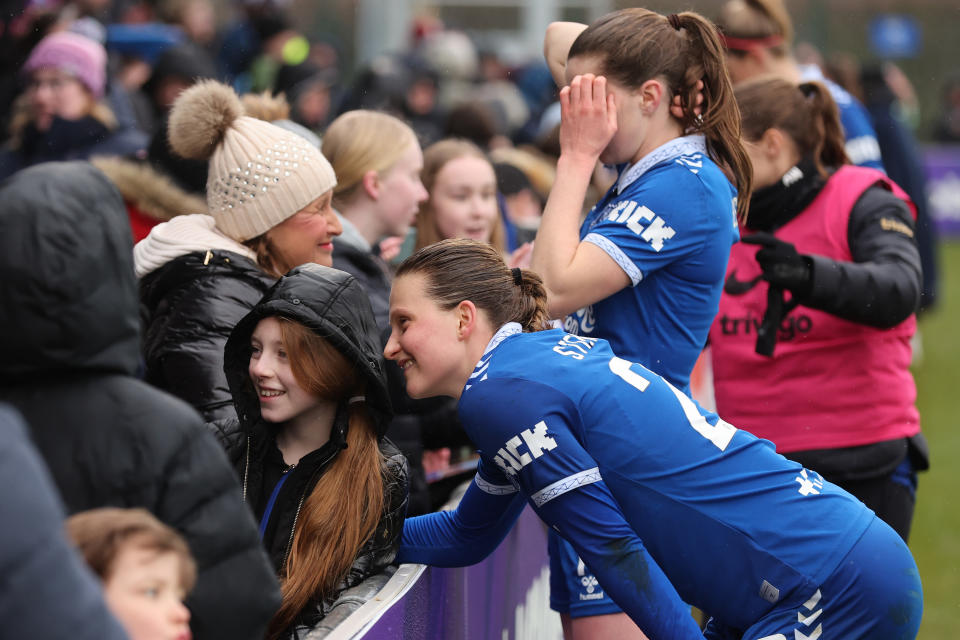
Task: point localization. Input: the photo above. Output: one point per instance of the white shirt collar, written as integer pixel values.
(504, 332)
(672, 149)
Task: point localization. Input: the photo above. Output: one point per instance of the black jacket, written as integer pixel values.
(68, 355)
(373, 274)
(190, 305)
(47, 591)
(332, 304)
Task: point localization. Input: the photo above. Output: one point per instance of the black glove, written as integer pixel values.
(781, 264)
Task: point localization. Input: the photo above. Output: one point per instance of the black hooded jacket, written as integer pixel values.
(189, 306)
(68, 355)
(333, 305)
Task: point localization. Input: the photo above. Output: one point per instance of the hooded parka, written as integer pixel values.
(69, 352)
(333, 305)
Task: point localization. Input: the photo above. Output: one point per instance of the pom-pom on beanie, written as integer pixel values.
(81, 57)
(259, 174)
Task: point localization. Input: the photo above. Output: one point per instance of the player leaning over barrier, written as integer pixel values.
(648, 487)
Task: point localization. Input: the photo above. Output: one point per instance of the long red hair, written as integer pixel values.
(343, 509)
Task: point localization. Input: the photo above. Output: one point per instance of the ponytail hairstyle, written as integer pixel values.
(750, 25)
(346, 505)
(462, 269)
(806, 113)
(435, 158)
(636, 45)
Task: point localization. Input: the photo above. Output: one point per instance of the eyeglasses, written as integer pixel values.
(55, 84)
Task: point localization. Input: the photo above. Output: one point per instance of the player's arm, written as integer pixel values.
(574, 273)
(590, 519)
(469, 533)
(556, 45)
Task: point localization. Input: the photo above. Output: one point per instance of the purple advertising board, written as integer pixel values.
(943, 187)
(505, 597)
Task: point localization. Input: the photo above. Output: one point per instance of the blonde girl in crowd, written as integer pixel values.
(378, 161)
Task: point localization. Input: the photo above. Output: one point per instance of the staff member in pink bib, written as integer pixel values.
(811, 344)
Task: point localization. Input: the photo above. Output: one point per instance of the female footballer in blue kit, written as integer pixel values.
(645, 269)
(666, 502)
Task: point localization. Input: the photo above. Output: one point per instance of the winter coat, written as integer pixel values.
(353, 254)
(150, 196)
(48, 592)
(70, 350)
(332, 304)
(190, 305)
(70, 140)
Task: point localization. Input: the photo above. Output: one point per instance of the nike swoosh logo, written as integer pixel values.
(738, 287)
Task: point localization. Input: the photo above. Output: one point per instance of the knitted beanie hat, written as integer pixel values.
(259, 174)
(78, 55)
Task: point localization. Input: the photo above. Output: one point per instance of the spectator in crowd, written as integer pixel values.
(176, 69)
(521, 202)
(61, 115)
(69, 366)
(378, 161)
(330, 492)
(758, 35)
(145, 566)
(824, 373)
(463, 199)
(47, 592)
(948, 123)
(268, 197)
(308, 89)
(197, 19)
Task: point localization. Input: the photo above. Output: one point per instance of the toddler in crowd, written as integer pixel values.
(145, 566)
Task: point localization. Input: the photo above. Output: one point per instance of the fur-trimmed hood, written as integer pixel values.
(151, 192)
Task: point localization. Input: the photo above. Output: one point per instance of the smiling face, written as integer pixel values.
(424, 341)
(306, 236)
(632, 127)
(464, 199)
(144, 592)
(281, 397)
(401, 191)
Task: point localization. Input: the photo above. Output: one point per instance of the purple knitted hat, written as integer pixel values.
(77, 55)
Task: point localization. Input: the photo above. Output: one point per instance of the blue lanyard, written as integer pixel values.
(269, 509)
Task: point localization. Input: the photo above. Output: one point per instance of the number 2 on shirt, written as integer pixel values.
(719, 434)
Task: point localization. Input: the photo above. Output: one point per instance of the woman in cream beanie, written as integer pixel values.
(269, 209)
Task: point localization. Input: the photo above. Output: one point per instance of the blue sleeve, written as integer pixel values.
(466, 535)
(862, 145)
(653, 226)
(550, 465)
(590, 519)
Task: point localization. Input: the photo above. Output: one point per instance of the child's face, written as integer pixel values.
(145, 594)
